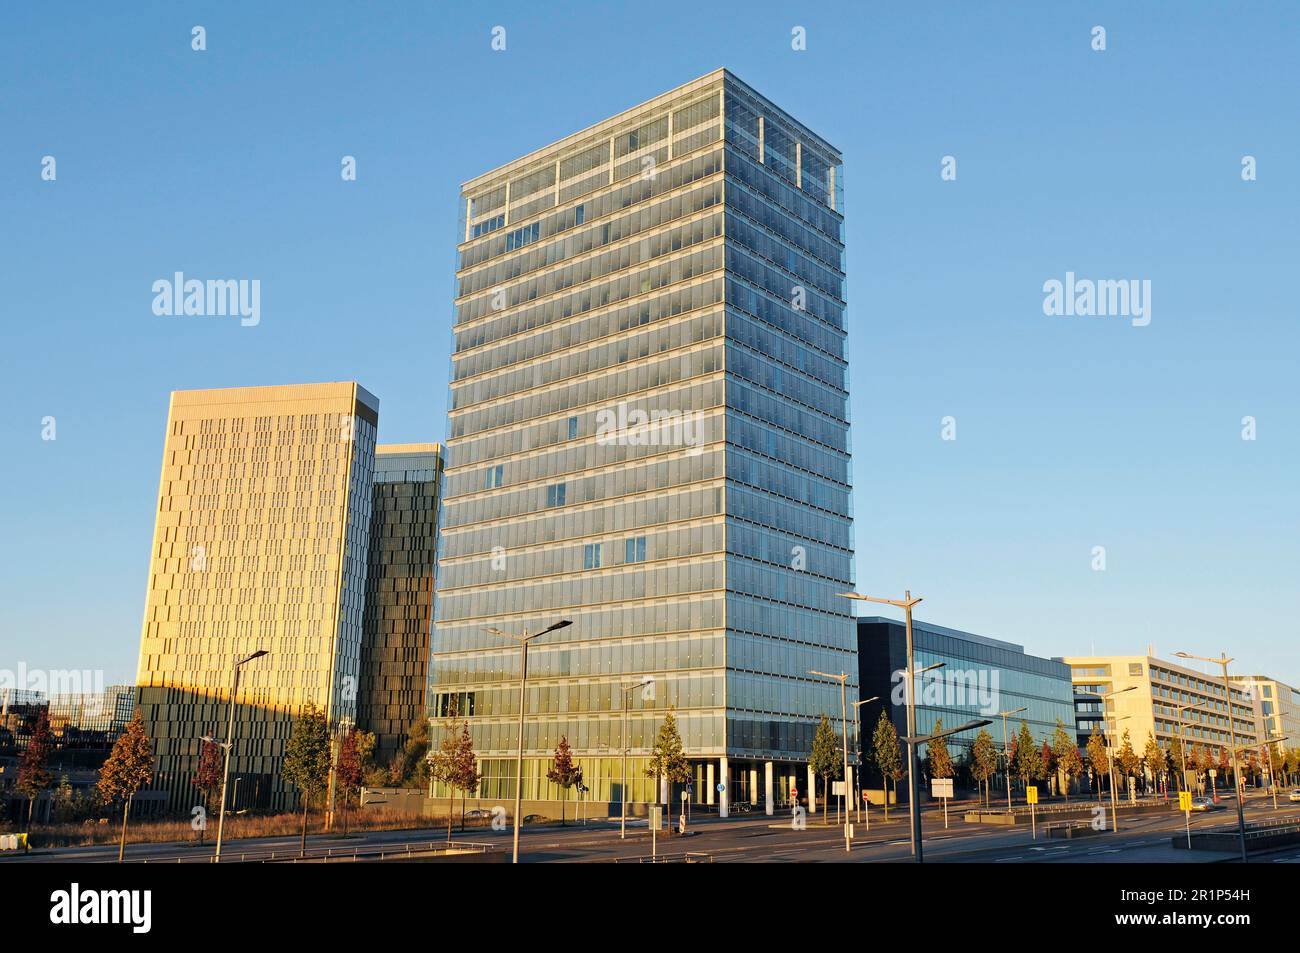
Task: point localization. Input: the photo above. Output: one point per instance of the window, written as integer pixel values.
(494, 477)
(591, 556)
(1135, 668)
(555, 495)
(573, 427)
(579, 215)
(634, 550)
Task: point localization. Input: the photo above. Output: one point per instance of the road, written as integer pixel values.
(751, 838)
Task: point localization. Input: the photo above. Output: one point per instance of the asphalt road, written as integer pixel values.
(752, 838)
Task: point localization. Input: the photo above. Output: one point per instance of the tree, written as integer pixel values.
(128, 768)
(1127, 759)
(1069, 763)
(667, 757)
(564, 772)
(410, 765)
(938, 762)
(455, 765)
(307, 760)
(467, 776)
(34, 775)
(888, 757)
(207, 778)
(1046, 761)
(1175, 757)
(826, 762)
(1027, 759)
(351, 770)
(1098, 760)
(1153, 756)
(1198, 760)
(1224, 764)
(984, 760)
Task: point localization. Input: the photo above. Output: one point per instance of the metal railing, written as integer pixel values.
(329, 854)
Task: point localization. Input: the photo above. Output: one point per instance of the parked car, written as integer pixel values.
(476, 814)
(1295, 795)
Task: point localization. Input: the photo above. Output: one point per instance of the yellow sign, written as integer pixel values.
(1184, 800)
(1031, 794)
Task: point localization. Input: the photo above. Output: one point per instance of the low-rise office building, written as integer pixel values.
(980, 678)
(1158, 703)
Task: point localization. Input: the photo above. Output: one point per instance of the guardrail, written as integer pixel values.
(689, 857)
(327, 855)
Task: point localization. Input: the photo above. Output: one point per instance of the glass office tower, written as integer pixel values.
(648, 436)
(259, 544)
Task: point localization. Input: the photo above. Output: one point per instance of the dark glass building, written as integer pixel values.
(980, 678)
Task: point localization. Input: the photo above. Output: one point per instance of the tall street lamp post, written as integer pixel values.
(842, 678)
(523, 641)
(913, 741)
(1110, 749)
(907, 603)
(229, 745)
(1006, 747)
(1223, 661)
(622, 821)
(857, 728)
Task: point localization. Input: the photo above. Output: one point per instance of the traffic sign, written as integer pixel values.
(1031, 794)
(1184, 800)
(941, 787)
(721, 787)
(864, 795)
(837, 788)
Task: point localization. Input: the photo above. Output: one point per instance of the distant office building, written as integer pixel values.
(980, 678)
(649, 436)
(1159, 690)
(399, 593)
(85, 725)
(1279, 709)
(20, 709)
(260, 543)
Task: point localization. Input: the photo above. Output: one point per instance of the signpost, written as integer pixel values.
(942, 788)
(866, 807)
(1031, 796)
(1185, 805)
(656, 819)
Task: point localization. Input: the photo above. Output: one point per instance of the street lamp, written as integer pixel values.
(1223, 661)
(906, 604)
(1110, 749)
(229, 746)
(1006, 748)
(1272, 771)
(842, 678)
(523, 641)
(913, 741)
(622, 821)
(857, 728)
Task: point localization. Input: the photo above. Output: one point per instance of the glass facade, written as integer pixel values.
(980, 677)
(259, 544)
(648, 436)
(398, 617)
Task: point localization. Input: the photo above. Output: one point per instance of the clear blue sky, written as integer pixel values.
(1072, 432)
